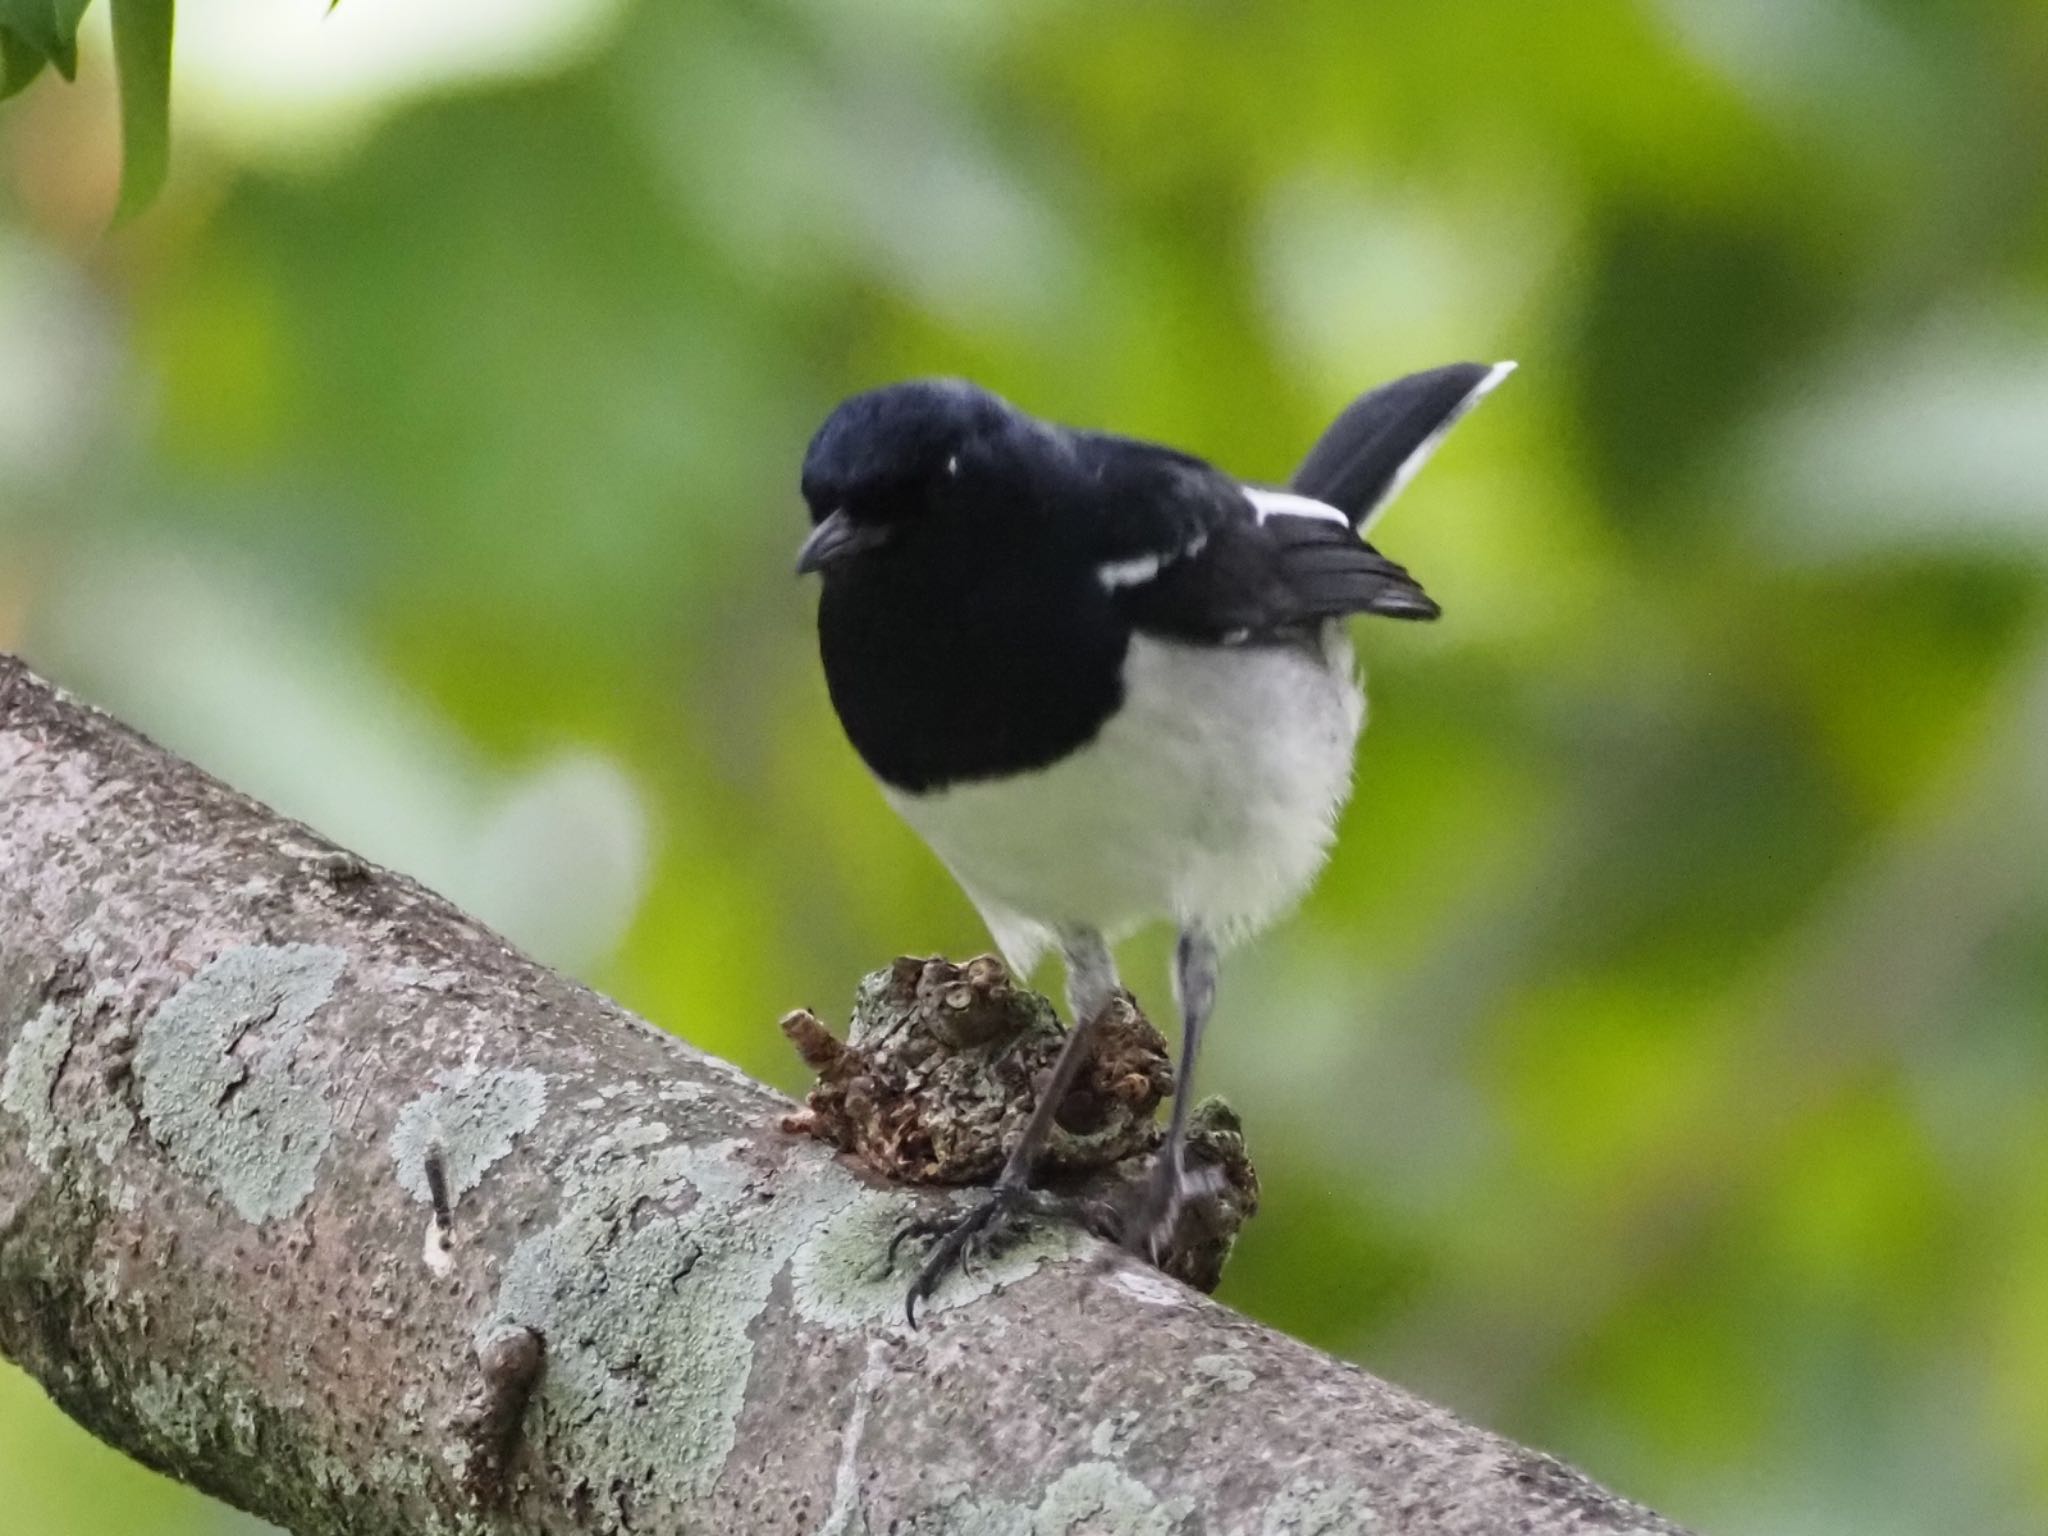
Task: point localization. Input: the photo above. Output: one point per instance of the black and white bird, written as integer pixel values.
(1108, 683)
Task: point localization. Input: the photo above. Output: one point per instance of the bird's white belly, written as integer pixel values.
(1210, 797)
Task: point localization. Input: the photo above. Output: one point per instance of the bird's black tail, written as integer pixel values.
(1384, 436)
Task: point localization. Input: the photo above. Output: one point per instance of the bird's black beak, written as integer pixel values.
(837, 537)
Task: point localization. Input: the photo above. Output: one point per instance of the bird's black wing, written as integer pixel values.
(1199, 556)
(1188, 552)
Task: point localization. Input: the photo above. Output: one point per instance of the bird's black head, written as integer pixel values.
(882, 459)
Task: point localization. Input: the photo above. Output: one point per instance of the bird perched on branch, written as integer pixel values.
(1108, 683)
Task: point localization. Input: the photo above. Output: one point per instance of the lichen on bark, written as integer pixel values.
(473, 1117)
(28, 1082)
(228, 1084)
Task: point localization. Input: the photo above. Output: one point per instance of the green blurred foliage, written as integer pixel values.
(1660, 1071)
(34, 33)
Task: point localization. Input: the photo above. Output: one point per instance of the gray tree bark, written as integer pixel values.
(238, 1066)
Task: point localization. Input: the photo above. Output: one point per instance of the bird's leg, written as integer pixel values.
(1091, 974)
(1091, 986)
(1149, 1224)
(958, 1237)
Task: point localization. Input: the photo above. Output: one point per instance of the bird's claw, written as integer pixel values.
(961, 1238)
(1143, 1226)
(1146, 1225)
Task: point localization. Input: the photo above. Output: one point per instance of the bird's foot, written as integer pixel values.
(1147, 1222)
(958, 1239)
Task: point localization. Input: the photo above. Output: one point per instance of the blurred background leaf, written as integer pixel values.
(1660, 1072)
(38, 32)
(142, 55)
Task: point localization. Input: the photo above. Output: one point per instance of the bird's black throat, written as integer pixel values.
(950, 669)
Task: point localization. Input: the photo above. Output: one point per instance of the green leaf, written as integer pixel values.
(46, 28)
(142, 58)
(19, 63)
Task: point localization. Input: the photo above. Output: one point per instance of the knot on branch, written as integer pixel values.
(942, 1065)
(487, 1424)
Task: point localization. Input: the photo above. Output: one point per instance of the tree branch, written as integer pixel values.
(318, 1196)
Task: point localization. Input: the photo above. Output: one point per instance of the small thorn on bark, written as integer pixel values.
(819, 1047)
(335, 866)
(339, 867)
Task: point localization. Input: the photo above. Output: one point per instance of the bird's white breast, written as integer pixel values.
(1210, 797)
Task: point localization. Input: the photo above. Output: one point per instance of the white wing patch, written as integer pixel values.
(1139, 569)
(1412, 465)
(1128, 573)
(1287, 504)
